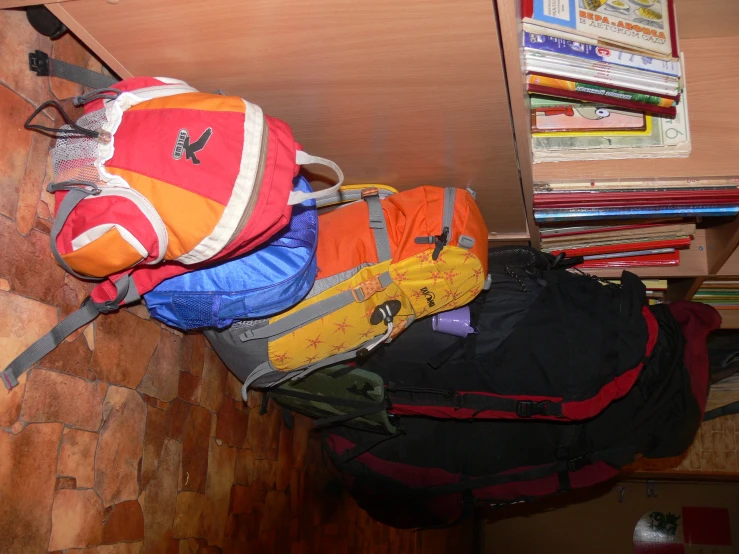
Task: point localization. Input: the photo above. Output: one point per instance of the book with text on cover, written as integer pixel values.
(644, 25)
(599, 54)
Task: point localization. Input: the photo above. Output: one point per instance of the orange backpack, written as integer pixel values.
(381, 265)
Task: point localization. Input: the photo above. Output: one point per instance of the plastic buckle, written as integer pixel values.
(367, 289)
(369, 192)
(38, 62)
(528, 408)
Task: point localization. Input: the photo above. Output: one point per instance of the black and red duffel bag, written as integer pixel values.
(568, 380)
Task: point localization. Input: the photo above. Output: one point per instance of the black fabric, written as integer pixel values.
(586, 333)
(658, 417)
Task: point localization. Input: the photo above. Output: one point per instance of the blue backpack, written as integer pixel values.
(260, 284)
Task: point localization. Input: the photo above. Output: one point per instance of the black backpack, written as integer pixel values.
(568, 380)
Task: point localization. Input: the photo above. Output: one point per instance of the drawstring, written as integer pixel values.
(75, 131)
(99, 94)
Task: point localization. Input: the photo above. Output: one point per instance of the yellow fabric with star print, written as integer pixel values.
(431, 270)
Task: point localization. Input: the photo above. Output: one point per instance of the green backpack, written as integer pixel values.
(339, 394)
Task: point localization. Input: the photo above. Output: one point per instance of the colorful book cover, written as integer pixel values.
(615, 102)
(549, 115)
(601, 74)
(645, 25)
(607, 93)
(588, 119)
(545, 43)
(673, 134)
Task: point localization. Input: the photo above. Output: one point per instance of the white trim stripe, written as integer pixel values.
(148, 211)
(242, 190)
(98, 231)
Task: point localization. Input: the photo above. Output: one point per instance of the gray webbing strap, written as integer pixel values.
(73, 197)
(311, 313)
(87, 312)
(349, 195)
(48, 342)
(80, 75)
(266, 368)
(306, 315)
(379, 227)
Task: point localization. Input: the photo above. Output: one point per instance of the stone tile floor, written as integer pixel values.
(132, 437)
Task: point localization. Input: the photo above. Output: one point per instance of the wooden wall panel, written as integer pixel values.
(404, 93)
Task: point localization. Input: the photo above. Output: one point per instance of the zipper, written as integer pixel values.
(255, 193)
(147, 209)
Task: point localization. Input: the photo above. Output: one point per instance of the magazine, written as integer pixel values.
(670, 138)
(589, 52)
(644, 25)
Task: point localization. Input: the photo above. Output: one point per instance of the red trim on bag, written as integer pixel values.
(696, 320)
(617, 388)
(582, 478)
(574, 410)
(450, 412)
(410, 476)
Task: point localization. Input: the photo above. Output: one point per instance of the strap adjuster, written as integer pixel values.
(529, 408)
(369, 192)
(38, 62)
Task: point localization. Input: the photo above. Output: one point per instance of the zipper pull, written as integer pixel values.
(440, 241)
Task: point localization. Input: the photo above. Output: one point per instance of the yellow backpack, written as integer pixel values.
(382, 263)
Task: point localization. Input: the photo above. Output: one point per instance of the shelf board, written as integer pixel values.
(731, 266)
(729, 319)
(711, 75)
(692, 263)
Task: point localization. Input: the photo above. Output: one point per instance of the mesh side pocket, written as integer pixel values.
(194, 311)
(74, 157)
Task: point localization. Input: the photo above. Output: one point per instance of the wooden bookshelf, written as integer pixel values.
(710, 70)
(692, 263)
(729, 319)
(711, 50)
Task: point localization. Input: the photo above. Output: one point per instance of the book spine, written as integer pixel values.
(597, 75)
(564, 47)
(546, 43)
(595, 98)
(553, 215)
(555, 59)
(600, 90)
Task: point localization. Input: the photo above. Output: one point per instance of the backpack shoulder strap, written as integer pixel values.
(729, 409)
(87, 313)
(42, 65)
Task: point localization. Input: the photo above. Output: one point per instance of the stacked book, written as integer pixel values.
(614, 244)
(719, 294)
(606, 80)
(584, 201)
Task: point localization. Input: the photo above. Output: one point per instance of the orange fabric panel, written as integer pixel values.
(346, 240)
(104, 256)
(188, 217)
(414, 213)
(195, 101)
